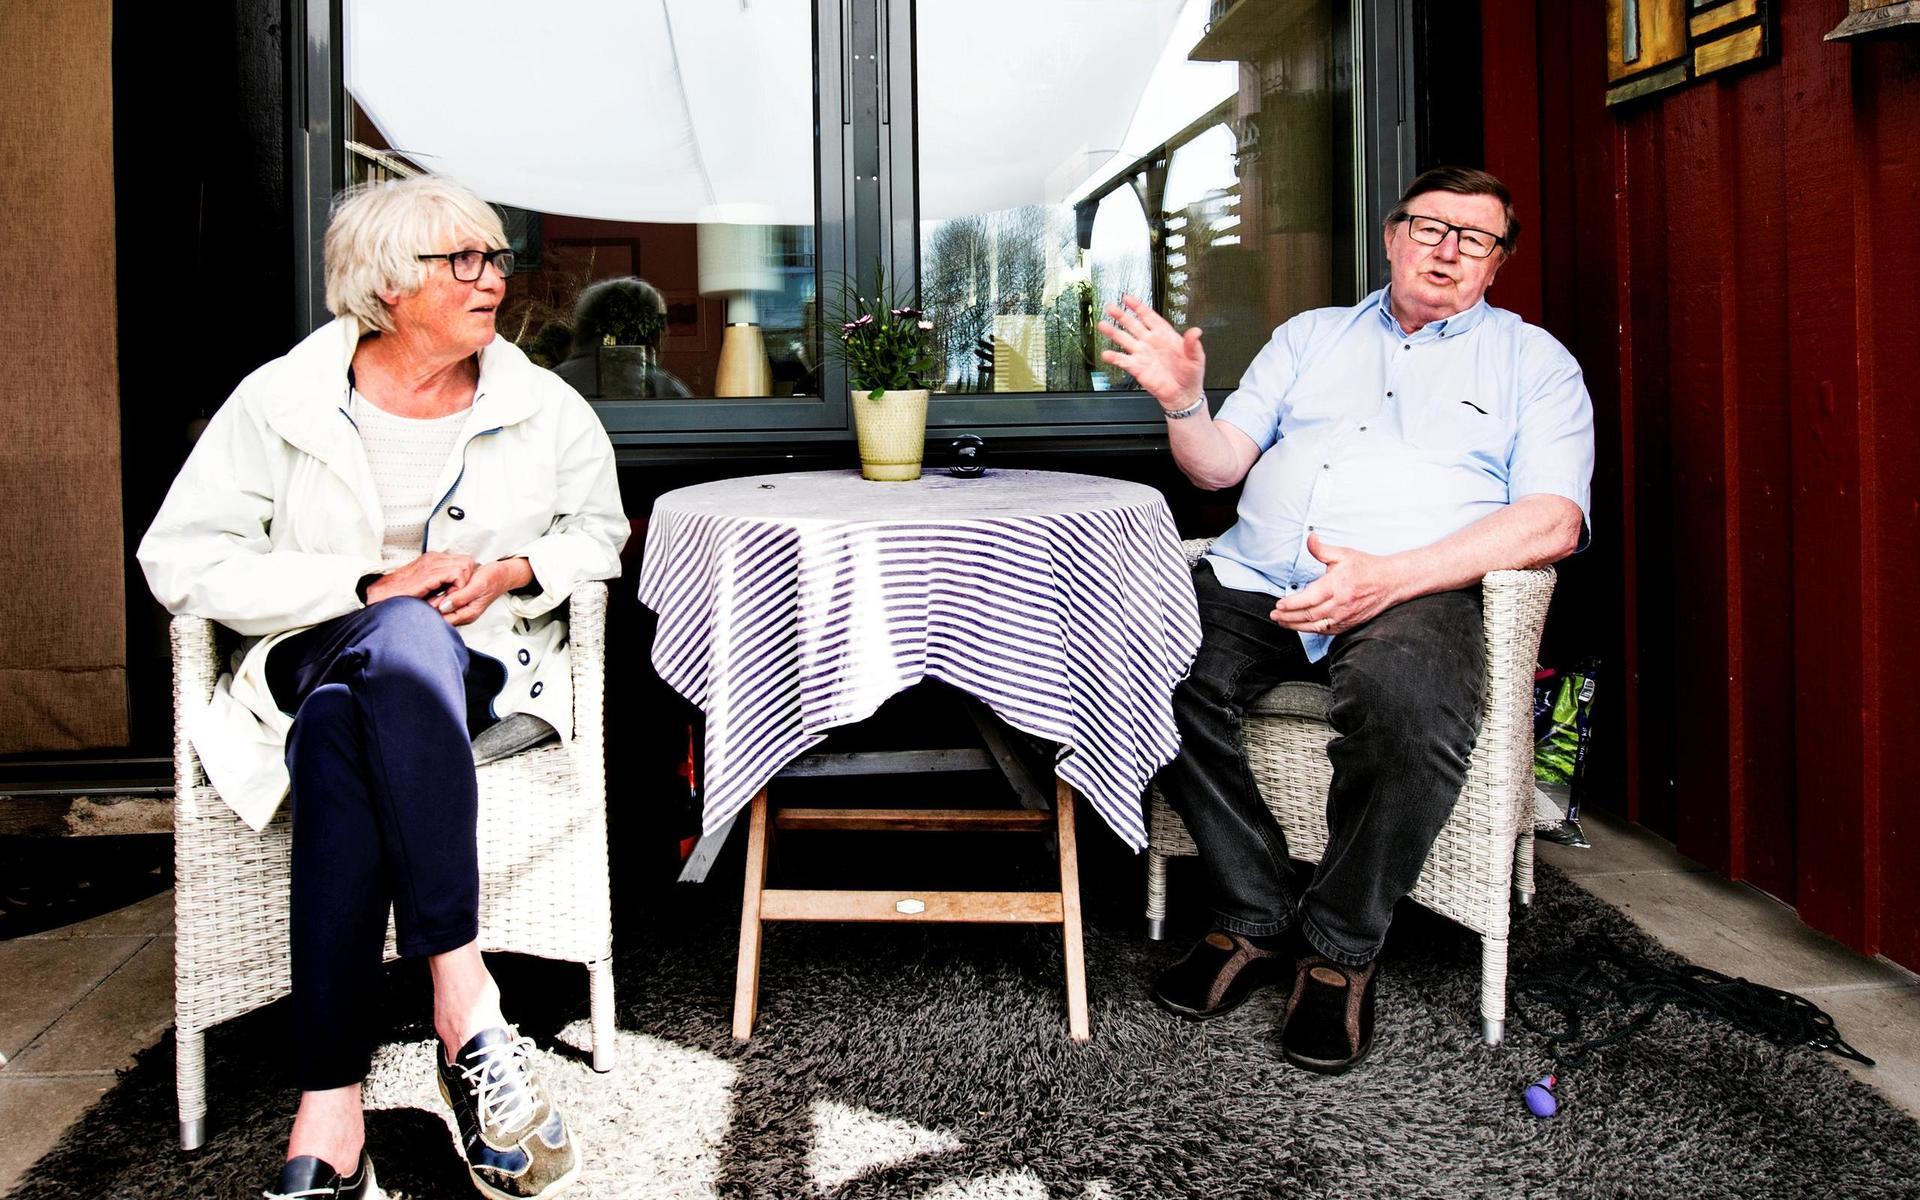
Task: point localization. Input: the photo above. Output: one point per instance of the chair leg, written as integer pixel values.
(190, 1086)
(600, 1006)
(1073, 947)
(1493, 990)
(746, 971)
(1523, 866)
(1156, 895)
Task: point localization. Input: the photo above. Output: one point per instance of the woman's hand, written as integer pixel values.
(432, 572)
(464, 604)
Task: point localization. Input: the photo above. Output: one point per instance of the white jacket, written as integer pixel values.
(275, 518)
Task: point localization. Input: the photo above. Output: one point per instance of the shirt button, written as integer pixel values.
(526, 656)
(1363, 428)
(1389, 393)
(458, 514)
(537, 688)
(1406, 345)
(1326, 466)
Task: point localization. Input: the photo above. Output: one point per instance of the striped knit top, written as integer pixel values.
(406, 455)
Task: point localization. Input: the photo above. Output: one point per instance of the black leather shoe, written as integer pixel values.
(515, 1140)
(1217, 976)
(1329, 1023)
(307, 1178)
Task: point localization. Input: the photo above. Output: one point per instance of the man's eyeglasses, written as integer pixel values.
(467, 264)
(1431, 231)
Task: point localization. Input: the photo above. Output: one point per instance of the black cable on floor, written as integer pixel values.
(1596, 975)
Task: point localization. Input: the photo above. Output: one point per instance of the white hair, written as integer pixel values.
(377, 229)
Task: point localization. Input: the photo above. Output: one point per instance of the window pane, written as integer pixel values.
(1102, 149)
(663, 213)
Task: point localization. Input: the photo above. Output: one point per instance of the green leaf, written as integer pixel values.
(877, 393)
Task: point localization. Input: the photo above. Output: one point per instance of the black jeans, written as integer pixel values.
(1407, 689)
(385, 808)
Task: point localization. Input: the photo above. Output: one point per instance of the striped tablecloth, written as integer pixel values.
(792, 604)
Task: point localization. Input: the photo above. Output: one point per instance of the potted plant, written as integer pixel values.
(888, 352)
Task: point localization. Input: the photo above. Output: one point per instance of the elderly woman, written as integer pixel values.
(391, 514)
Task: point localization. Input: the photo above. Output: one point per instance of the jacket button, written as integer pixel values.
(538, 687)
(526, 656)
(458, 514)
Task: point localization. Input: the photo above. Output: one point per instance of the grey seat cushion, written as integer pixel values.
(1306, 700)
(510, 735)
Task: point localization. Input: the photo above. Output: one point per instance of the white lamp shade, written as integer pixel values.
(736, 250)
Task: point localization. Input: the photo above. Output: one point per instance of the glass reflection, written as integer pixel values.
(1180, 155)
(661, 207)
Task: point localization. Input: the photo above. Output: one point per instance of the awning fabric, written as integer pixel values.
(658, 111)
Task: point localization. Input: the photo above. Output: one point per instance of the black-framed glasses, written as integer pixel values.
(1431, 231)
(467, 264)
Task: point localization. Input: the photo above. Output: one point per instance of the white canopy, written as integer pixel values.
(659, 110)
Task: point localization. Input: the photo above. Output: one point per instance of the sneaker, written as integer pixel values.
(1217, 976)
(515, 1140)
(307, 1178)
(1329, 1023)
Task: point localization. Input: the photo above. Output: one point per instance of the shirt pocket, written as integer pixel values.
(1463, 431)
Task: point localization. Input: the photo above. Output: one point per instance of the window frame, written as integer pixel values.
(867, 209)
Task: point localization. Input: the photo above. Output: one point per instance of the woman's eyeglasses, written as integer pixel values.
(467, 264)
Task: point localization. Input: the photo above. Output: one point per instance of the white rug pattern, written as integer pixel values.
(653, 1126)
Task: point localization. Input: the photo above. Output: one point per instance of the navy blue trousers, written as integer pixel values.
(385, 702)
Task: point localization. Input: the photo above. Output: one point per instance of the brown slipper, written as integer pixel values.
(1329, 1023)
(1217, 976)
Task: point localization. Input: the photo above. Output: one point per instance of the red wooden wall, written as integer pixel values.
(1736, 264)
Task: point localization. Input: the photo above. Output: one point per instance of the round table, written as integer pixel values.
(791, 604)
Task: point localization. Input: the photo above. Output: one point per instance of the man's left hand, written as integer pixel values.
(1356, 588)
(463, 605)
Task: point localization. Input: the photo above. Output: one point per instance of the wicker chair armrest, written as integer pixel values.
(1514, 608)
(587, 637)
(196, 667)
(1195, 548)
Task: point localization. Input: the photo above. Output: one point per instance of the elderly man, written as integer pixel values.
(1393, 453)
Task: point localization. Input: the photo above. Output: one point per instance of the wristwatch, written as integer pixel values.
(1181, 414)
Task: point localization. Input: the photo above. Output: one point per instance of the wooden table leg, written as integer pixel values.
(1075, 953)
(746, 971)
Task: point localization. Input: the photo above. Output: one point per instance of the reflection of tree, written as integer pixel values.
(1017, 261)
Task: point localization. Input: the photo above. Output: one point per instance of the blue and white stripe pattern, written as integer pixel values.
(792, 604)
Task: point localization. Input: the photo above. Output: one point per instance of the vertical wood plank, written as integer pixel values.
(1759, 465)
(1704, 613)
(1887, 174)
(1658, 574)
(1823, 381)
(1630, 673)
(1581, 307)
(1510, 50)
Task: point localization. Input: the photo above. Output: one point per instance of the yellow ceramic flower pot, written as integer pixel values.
(892, 432)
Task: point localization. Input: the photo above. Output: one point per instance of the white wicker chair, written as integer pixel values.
(1484, 853)
(543, 863)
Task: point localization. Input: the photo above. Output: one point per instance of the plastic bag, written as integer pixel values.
(1562, 727)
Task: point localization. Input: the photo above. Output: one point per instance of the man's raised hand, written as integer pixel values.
(1165, 362)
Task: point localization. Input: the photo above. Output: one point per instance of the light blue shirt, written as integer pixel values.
(1385, 441)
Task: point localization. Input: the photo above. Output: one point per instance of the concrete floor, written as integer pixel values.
(81, 1001)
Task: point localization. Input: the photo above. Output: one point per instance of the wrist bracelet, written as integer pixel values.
(1181, 414)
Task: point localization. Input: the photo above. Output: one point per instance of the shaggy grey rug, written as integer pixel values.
(934, 1062)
